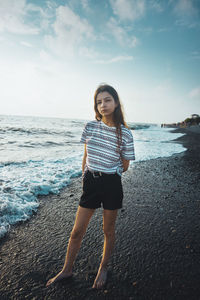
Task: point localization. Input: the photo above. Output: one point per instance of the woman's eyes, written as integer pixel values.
(106, 100)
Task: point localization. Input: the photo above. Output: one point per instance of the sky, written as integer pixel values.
(54, 54)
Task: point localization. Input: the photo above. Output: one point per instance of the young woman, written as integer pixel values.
(107, 152)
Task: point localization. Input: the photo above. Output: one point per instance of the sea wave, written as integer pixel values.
(34, 131)
(25, 181)
(139, 126)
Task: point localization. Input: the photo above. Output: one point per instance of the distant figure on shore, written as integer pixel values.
(193, 121)
(108, 149)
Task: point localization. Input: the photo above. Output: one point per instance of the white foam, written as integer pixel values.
(156, 142)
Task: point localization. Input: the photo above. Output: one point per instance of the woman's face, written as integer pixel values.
(105, 104)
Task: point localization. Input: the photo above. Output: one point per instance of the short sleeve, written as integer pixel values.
(84, 135)
(128, 151)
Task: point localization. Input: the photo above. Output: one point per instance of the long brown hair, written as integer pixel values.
(118, 115)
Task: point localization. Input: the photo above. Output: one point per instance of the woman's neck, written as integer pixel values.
(108, 121)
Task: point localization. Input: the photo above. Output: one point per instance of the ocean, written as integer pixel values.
(39, 156)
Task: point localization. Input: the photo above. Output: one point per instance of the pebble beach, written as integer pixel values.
(157, 237)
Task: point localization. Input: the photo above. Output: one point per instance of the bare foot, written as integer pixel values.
(100, 279)
(58, 277)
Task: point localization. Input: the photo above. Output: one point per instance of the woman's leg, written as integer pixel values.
(109, 218)
(82, 220)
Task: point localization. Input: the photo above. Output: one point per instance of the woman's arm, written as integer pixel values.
(125, 164)
(84, 159)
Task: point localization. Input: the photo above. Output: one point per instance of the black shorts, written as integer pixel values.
(105, 189)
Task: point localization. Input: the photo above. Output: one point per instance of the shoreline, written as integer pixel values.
(157, 249)
(40, 188)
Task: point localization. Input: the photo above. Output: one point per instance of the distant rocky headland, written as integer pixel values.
(194, 120)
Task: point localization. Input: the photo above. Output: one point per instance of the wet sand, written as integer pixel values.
(157, 252)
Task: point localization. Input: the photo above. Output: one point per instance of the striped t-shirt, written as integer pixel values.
(102, 147)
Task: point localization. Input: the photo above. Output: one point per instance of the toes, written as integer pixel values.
(94, 285)
(98, 285)
(100, 280)
(101, 284)
(49, 282)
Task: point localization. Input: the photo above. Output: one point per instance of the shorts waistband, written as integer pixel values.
(97, 174)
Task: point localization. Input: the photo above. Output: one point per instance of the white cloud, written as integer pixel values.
(121, 35)
(163, 88)
(185, 8)
(70, 31)
(195, 93)
(195, 55)
(12, 17)
(44, 56)
(187, 22)
(45, 84)
(133, 41)
(156, 5)
(86, 6)
(128, 9)
(115, 59)
(164, 29)
(26, 44)
(88, 52)
(146, 30)
(187, 13)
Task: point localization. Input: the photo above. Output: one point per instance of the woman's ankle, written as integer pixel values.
(103, 266)
(66, 271)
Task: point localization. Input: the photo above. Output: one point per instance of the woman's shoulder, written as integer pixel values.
(126, 131)
(91, 124)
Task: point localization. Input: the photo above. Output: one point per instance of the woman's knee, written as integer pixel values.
(77, 234)
(109, 232)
